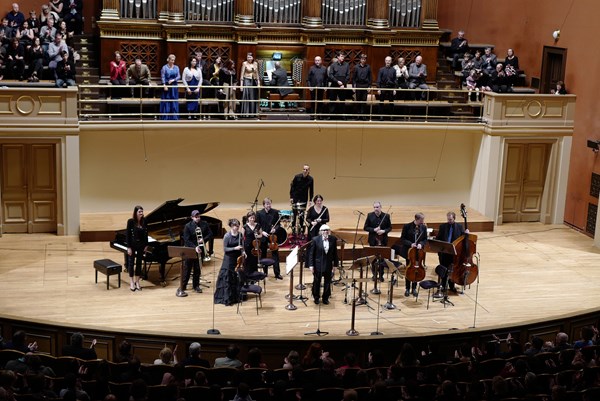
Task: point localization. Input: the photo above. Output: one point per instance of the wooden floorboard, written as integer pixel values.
(527, 272)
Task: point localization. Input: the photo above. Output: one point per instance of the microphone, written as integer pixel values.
(262, 182)
(359, 212)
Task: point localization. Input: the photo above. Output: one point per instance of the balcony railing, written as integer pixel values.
(220, 103)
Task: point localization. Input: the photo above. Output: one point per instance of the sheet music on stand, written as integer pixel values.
(291, 260)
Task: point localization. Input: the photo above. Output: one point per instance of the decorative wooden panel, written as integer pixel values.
(592, 215)
(595, 185)
(409, 55)
(147, 52)
(210, 53)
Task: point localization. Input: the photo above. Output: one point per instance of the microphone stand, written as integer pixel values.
(377, 332)
(476, 291)
(214, 331)
(318, 332)
(255, 203)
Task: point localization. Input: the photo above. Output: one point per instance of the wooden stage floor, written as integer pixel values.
(528, 272)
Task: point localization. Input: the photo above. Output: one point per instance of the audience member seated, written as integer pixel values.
(25, 35)
(73, 385)
(15, 60)
(292, 360)
(134, 371)
(47, 33)
(489, 61)
(255, 359)
(243, 393)
(194, 357)
(47, 14)
(230, 360)
(588, 336)
(167, 356)
(467, 65)
(138, 391)
(76, 349)
(65, 74)
(314, 356)
(19, 343)
(36, 386)
(500, 82)
(559, 89)
(535, 347)
(458, 46)
(417, 73)
(55, 50)
(6, 30)
(124, 353)
(139, 74)
(15, 17)
(118, 75)
(73, 15)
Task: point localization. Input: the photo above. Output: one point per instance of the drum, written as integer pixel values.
(286, 215)
(281, 236)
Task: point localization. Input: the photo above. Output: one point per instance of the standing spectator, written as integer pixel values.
(15, 57)
(57, 6)
(73, 15)
(55, 51)
(47, 33)
(118, 75)
(48, 14)
(169, 105)
(35, 56)
(227, 79)
(75, 349)
(339, 75)
(139, 74)
(15, 17)
(361, 81)
(386, 81)
(417, 73)
(401, 77)
(192, 79)
(317, 83)
(458, 46)
(34, 22)
(67, 35)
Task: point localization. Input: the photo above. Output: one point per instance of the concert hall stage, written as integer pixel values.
(527, 272)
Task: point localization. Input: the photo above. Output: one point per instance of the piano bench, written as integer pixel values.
(108, 268)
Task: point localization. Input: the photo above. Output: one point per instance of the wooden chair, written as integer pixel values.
(229, 392)
(8, 355)
(363, 393)
(162, 393)
(116, 370)
(67, 364)
(194, 393)
(190, 371)
(48, 361)
(281, 374)
(253, 377)
(330, 393)
(222, 376)
(156, 372)
(120, 390)
(490, 368)
(260, 394)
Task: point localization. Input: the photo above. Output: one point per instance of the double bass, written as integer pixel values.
(465, 270)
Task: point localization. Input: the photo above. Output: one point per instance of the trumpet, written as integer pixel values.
(200, 237)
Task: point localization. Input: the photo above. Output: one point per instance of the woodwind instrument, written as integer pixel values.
(379, 237)
(200, 237)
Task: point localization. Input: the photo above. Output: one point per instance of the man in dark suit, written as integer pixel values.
(322, 258)
(449, 232)
(279, 78)
(378, 224)
(268, 220)
(193, 239)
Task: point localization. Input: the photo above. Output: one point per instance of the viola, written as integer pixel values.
(273, 246)
(241, 260)
(465, 270)
(415, 270)
(256, 247)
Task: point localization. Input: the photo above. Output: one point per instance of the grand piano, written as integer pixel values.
(165, 228)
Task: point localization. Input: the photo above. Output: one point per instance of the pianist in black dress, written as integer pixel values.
(227, 291)
(137, 241)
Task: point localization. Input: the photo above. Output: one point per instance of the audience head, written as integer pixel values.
(419, 60)
(58, 38)
(138, 389)
(166, 355)
(77, 340)
(124, 348)
(350, 395)
(193, 62)
(195, 349)
(254, 358)
(232, 351)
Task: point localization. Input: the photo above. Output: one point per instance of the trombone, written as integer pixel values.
(200, 237)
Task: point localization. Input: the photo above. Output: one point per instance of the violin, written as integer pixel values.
(256, 245)
(465, 271)
(241, 260)
(415, 270)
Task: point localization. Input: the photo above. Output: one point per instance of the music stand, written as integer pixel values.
(380, 253)
(447, 248)
(184, 253)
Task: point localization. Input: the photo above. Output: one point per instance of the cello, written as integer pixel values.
(465, 270)
(415, 269)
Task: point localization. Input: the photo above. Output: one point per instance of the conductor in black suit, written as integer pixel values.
(322, 258)
(449, 232)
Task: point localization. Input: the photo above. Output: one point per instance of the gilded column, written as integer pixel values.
(312, 14)
(176, 11)
(110, 10)
(377, 14)
(244, 12)
(430, 10)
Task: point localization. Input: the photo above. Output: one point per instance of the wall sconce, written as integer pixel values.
(556, 35)
(594, 145)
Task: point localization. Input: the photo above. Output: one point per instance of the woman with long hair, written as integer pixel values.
(137, 242)
(249, 82)
(227, 292)
(227, 79)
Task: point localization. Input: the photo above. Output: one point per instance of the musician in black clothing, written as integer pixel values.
(317, 83)
(193, 239)
(316, 216)
(414, 235)
(136, 237)
(386, 81)
(361, 80)
(301, 191)
(378, 224)
(339, 75)
(449, 232)
(268, 220)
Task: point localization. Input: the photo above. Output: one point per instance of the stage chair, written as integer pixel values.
(246, 289)
(428, 285)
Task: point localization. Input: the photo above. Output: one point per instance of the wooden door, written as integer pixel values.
(29, 188)
(554, 61)
(526, 165)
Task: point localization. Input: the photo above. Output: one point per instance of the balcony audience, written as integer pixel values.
(15, 60)
(65, 71)
(118, 75)
(139, 74)
(170, 76)
(417, 73)
(489, 61)
(73, 16)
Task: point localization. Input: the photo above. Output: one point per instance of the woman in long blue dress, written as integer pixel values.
(192, 77)
(169, 105)
(227, 289)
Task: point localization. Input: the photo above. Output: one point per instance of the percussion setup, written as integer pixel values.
(290, 234)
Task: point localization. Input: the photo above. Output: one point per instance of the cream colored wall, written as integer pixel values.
(121, 167)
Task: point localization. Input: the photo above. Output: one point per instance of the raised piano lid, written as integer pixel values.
(171, 210)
